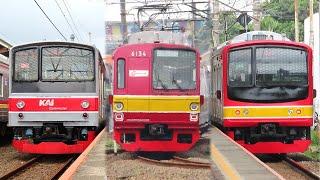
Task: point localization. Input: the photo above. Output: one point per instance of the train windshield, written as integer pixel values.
(281, 67)
(174, 69)
(26, 65)
(67, 64)
(268, 74)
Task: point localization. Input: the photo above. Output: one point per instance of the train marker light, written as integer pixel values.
(118, 116)
(298, 111)
(20, 104)
(20, 115)
(85, 104)
(193, 117)
(85, 115)
(237, 112)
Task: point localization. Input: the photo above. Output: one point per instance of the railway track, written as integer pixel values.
(177, 161)
(23, 170)
(289, 168)
(296, 165)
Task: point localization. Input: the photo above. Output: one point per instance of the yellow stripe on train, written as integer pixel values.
(238, 112)
(3, 106)
(136, 103)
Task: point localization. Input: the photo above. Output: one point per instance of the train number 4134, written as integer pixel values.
(138, 53)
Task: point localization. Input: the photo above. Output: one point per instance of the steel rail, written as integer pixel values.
(63, 168)
(301, 168)
(179, 164)
(20, 168)
(189, 161)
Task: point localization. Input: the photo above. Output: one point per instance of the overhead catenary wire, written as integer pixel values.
(66, 19)
(72, 20)
(50, 20)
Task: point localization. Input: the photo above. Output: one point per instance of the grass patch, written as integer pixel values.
(314, 149)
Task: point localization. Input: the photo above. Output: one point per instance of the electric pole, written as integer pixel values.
(193, 5)
(256, 14)
(311, 40)
(123, 14)
(216, 23)
(296, 20)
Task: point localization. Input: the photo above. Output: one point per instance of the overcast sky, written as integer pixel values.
(22, 21)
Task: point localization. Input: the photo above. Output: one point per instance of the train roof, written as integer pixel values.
(41, 43)
(259, 37)
(146, 46)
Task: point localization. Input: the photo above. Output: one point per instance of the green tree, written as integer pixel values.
(278, 16)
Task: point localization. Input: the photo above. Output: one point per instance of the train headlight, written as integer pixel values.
(85, 104)
(118, 106)
(20, 104)
(194, 106)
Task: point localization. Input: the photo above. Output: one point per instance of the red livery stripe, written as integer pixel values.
(53, 104)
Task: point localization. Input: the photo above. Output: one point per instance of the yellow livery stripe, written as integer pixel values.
(156, 103)
(243, 112)
(3, 106)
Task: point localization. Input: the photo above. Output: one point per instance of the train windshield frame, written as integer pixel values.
(269, 74)
(79, 67)
(174, 69)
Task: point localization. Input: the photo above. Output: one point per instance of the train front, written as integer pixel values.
(156, 100)
(268, 104)
(53, 100)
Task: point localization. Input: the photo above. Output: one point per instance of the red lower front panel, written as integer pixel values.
(178, 123)
(276, 147)
(25, 146)
(157, 146)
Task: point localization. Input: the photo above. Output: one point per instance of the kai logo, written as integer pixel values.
(46, 102)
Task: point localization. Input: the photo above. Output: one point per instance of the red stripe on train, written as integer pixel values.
(53, 104)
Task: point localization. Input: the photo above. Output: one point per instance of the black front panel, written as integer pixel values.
(267, 94)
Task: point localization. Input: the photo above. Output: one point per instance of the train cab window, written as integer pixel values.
(67, 64)
(281, 66)
(26, 65)
(174, 69)
(240, 72)
(121, 73)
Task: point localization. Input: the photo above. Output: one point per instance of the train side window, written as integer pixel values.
(1, 85)
(121, 73)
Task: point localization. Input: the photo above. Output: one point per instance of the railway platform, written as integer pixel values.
(91, 163)
(232, 161)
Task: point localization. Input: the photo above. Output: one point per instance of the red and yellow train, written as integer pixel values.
(156, 97)
(261, 91)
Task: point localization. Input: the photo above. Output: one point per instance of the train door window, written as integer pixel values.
(121, 73)
(1, 85)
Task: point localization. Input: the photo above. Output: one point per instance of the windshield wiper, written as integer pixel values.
(177, 84)
(163, 85)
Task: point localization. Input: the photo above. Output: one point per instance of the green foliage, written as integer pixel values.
(315, 138)
(314, 149)
(279, 16)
